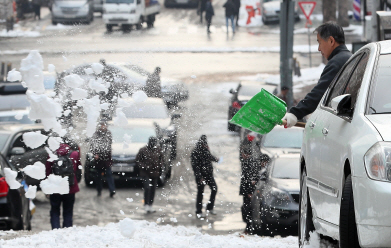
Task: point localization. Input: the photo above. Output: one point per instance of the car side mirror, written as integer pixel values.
(176, 116)
(17, 151)
(342, 105)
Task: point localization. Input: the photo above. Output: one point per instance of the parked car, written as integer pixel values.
(275, 201)
(271, 11)
(345, 159)
(71, 11)
(155, 111)
(15, 116)
(15, 150)
(181, 3)
(98, 6)
(127, 141)
(241, 95)
(15, 211)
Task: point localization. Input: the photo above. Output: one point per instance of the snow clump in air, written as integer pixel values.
(51, 68)
(10, 178)
(34, 139)
(73, 81)
(54, 143)
(31, 192)
(139, 96)
(98, 86)
(97, 67)
(31, 70)
(37, 170)
(55, 184)
(14, 76)
(78, 94)
(52, 156)
(92, 109)
(120, 119)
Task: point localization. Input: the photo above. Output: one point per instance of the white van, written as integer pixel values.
(126, 13)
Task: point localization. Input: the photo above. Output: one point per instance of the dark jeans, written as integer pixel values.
(149, 185)
(109, 179)
(208, 22)
(67, 201)
(200, 187)
(37, 10)
(247, 210)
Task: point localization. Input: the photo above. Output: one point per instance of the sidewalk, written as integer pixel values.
(29, 24)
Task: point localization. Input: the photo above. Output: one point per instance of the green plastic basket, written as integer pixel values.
(261, 114)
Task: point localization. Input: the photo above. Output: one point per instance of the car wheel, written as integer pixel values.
(139, 25)
(305, 217)
(347, 220)
(109, 28)
(265, 21)
(54, 22)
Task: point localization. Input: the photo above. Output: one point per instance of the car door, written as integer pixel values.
(336, 132)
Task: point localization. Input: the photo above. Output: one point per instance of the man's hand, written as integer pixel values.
(289, 120)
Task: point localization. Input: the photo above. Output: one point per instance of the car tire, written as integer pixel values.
(265, 21)
(306, 224)
(109, 28)
(54, 22)
(347, 220)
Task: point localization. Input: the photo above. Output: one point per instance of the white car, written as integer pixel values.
(271, 11)
(345, 158)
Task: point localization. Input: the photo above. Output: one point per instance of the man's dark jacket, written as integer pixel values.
(201, 161)
(150, 161)
(101, 145)
(336, 60)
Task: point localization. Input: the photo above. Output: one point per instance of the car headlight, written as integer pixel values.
(378, 161)
(276, 197)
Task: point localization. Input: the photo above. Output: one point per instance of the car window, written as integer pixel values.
(18, 142)
(380, 101)
(286, 168)
(354, 84)
(11, 118)
(283, 138)
(148, 111)
(137, 134)
(340, 83)
(249, 90)
(4, 165)
(3, 139)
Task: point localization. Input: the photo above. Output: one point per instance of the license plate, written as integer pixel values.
(122, 168)
(182, 1)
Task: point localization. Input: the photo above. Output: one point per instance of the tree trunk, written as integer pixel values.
(329, 9)
(343, 18)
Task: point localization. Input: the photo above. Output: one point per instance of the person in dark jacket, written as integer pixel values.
(201, 161)
(331, 41)
(209, 13)
(153, 87)
(37, 9)
(248, 180)
(101, 150)
(67, 200)
(237, 10)
(201, 8)
(149, 159)
(230, 10)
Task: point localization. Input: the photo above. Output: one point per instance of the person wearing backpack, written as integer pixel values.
(67, 165)
(149, 159)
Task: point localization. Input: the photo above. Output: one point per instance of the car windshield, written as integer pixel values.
(11, 118)
(10, 102)
(146, 111)
(283, 138)
(137, 134)
(3, 140)
(381, 101)
(119, 1)
(286, 168)
(249, 90)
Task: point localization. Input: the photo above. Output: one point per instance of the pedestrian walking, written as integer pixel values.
(201, 8)
(249, 178)
(101, 151)
(209, 13)
(237, 10)
(149, 159)
(331, 40)
(201, 161)
(230, 10)
(69, 166)
(153, 86)
(37, 9)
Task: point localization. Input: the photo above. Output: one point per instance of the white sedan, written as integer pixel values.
(345, 159)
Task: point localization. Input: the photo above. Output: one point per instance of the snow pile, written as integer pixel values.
(34, 139)
(37, 170)
(10, 178)
(55, 184)
(18, 33)
(134, 233)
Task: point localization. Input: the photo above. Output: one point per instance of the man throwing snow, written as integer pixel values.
(331, 40)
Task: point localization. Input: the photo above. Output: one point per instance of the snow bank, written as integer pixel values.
(37, 170)
(55, 184)
(135, 233)
(34, 139)
(10, 178)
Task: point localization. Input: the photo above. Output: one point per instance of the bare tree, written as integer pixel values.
(343, 7)
(329, 9)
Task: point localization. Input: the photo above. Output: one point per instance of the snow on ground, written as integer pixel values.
(18, 32)
(141, 233)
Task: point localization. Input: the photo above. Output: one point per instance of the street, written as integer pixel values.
(209, 67)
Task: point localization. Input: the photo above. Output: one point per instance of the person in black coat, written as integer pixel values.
(230, 10)
(331, 39)
(209, 13)
(237, 6)
(201, 8)
(201, 161)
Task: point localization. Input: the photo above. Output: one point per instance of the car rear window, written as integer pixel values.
(283, 138)
(380, 102)
(137, 134)
(249, 90)
(147, 111)
(286, 168)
